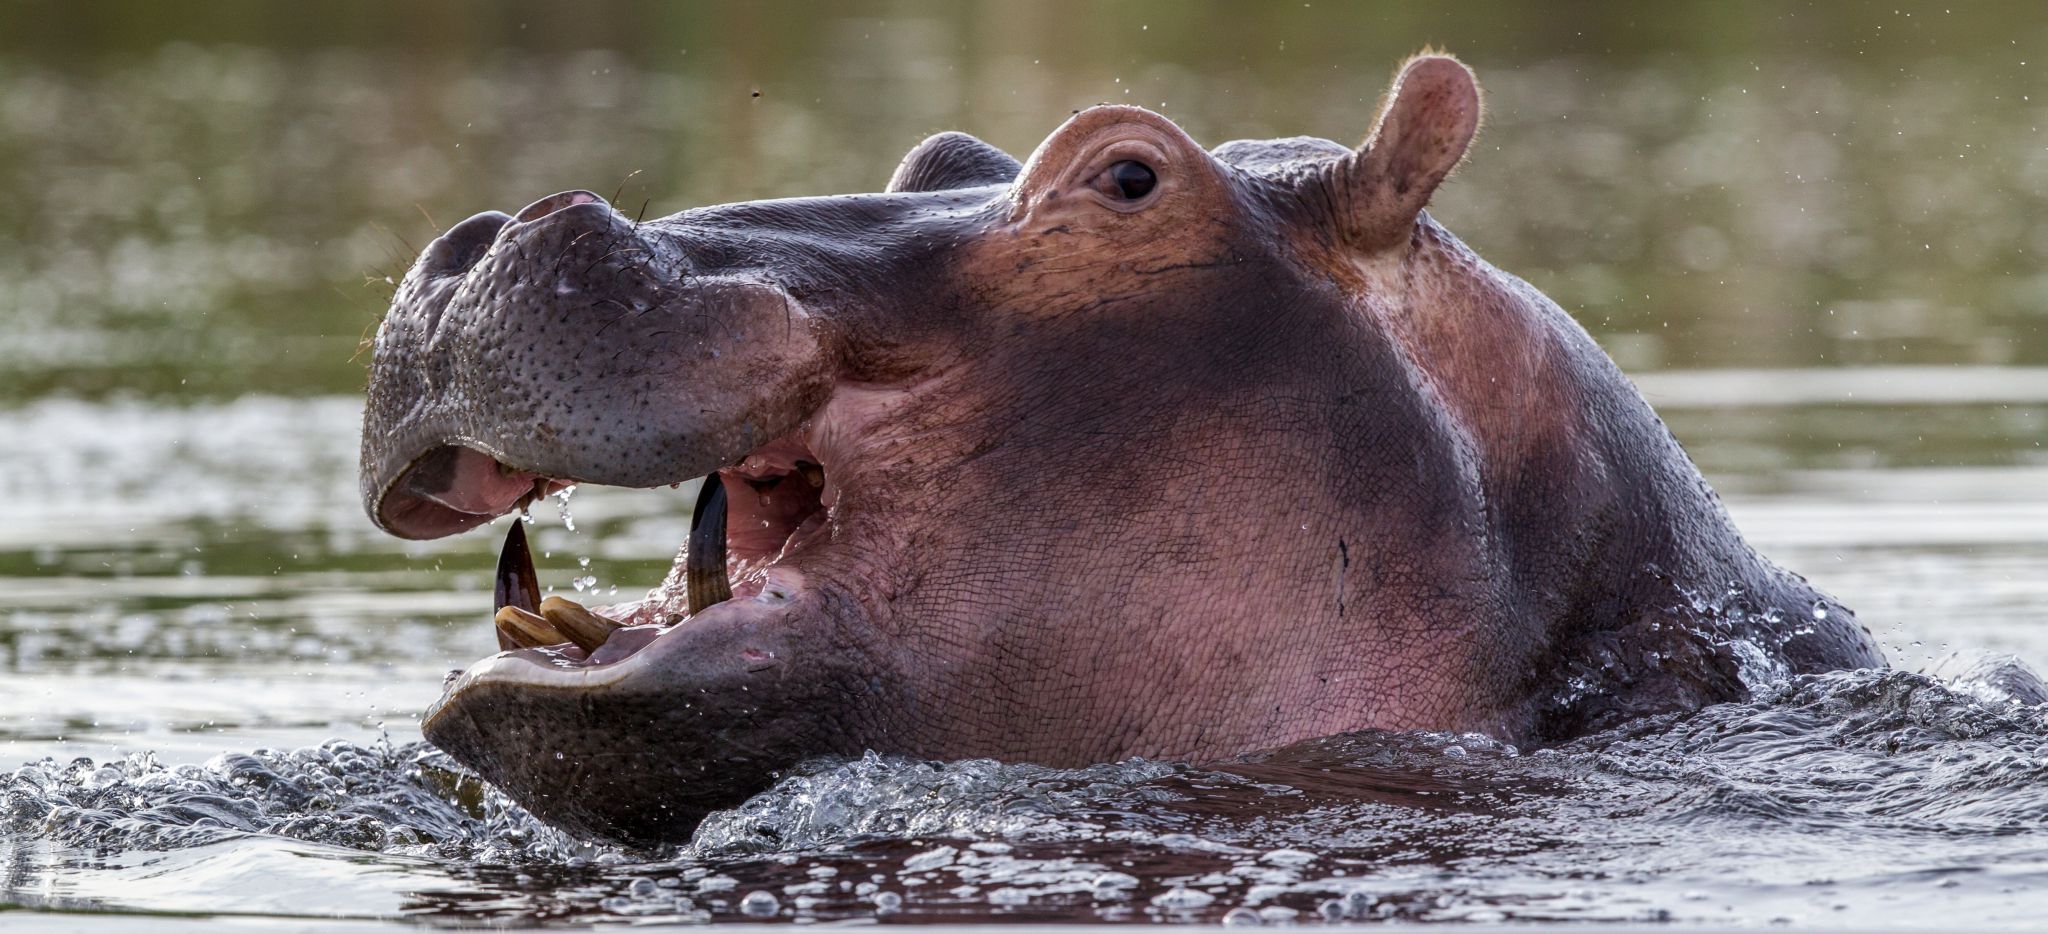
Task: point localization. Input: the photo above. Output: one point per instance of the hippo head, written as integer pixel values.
(1136, 448)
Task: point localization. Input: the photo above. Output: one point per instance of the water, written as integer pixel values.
(1867, 799)
(1813, 240)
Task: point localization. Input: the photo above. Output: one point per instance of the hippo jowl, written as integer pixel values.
(1137, 448)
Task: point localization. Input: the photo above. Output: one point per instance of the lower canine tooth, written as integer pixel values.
(525, 629)
(588, 630)
(704, 579)
(516, 584)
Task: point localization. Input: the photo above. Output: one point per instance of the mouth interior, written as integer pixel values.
(775, 502)
(452, 489)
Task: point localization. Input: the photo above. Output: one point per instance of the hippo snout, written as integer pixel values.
(512, 330)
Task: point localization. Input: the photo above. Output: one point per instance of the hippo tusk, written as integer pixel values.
(516, 584)
(704, 560)
(577, 624)
(524, 629)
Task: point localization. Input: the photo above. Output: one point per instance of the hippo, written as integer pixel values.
(1134, 449)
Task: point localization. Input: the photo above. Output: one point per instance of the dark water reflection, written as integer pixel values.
(1811, 234)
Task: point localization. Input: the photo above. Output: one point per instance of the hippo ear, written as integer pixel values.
(953, 160)
(1424, 127)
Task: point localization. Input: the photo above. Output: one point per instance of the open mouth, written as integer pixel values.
(749, 517)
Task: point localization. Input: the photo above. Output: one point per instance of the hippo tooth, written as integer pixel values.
(522, 629)
(588, 630)
(704, 560)
(516, 585)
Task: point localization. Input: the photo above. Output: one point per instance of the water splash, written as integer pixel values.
(1807, 802)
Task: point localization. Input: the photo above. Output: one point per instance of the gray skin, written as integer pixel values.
(1258, 455)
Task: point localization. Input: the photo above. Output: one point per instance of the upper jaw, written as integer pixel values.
(577, 346)
(452, 488)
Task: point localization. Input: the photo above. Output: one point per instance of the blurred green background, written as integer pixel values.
(206, 199)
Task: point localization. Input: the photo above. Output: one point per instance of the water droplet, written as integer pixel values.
(562, 507)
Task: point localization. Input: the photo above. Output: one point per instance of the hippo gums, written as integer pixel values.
(1134, 449)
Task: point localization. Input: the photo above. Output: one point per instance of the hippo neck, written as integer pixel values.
(1607, 527)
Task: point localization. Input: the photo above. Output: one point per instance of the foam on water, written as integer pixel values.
(1869, 798)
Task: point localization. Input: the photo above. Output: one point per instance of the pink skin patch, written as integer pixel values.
(480, 487)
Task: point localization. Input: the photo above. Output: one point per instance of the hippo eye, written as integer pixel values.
(1133, 180)
(1127, 180)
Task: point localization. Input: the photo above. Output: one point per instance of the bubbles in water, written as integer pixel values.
(1113, 884)
(1242, 917)
(1182, 899)
(929, 859)
(760, 904)
(1297, 858)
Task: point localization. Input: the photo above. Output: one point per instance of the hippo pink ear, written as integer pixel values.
(1428, 120)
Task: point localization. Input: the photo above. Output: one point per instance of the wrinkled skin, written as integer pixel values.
(1258, 455)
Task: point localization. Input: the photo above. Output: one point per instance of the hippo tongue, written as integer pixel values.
(704, 560)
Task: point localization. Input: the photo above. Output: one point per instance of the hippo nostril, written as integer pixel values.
(465, 243)
(553, 203)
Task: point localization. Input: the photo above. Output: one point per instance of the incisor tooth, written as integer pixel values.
(525, 629)
(588, 630)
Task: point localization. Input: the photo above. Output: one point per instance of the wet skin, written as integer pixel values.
(1134, 449)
